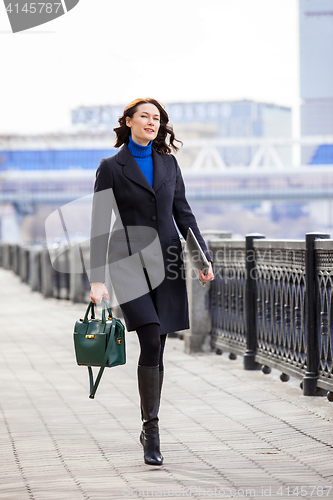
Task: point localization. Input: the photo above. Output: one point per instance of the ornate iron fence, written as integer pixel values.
(227, 295)
(271, 301)
(280, 294)
(324, 277)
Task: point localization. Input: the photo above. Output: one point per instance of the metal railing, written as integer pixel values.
(271, 301)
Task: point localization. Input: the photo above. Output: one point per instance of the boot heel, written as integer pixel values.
(151, 449)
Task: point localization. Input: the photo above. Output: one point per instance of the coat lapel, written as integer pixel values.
(160, 169)
(133, 172)
(131, 169)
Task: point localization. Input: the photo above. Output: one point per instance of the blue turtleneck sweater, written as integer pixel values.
(143, 157)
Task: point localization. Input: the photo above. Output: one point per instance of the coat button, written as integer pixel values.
(153, 217)
(152, 200)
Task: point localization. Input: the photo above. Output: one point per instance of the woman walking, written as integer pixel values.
(148, 196)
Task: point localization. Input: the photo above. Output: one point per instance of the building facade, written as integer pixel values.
(316, 71)
(194, 120)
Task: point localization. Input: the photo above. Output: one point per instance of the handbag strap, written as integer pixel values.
(93, 386)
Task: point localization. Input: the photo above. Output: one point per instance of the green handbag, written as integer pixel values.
(99, 342)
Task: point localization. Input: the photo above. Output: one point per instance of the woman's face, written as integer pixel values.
(144, 124)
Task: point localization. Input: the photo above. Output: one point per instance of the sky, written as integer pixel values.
(111, 52)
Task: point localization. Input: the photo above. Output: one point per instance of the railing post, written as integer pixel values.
(47, 274)
(311, 334)
(26, 265)
(76, 293)
(12, 257)
(199, 314)
(6, 256)
(250, 304)
(16, 267)
(34, 268)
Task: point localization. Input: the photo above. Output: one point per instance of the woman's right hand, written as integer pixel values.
(97, 292)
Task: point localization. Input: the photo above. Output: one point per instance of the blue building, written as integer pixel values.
(52, 159)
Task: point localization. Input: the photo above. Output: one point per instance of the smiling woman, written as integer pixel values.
(137, 115)
(144, 124)
(145, 181)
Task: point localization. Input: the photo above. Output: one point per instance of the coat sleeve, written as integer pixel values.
(102, 206)
(183, 214)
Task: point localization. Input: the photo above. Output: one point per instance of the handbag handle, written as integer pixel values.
(92, 307)
(105, 302)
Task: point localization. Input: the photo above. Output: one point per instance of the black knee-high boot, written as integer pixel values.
(149, 390)
(160, 383)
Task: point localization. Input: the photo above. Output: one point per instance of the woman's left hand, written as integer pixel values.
(207, 277)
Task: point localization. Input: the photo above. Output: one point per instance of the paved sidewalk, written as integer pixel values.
(224, 432)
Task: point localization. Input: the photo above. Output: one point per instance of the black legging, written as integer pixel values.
(151, 344)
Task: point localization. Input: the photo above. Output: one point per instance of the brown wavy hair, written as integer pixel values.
(165, 140)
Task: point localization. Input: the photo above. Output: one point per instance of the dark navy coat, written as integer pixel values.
(157, 207)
